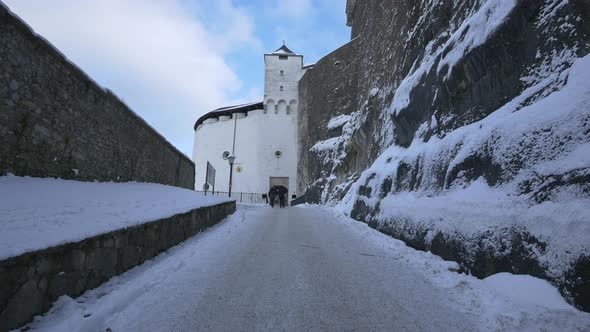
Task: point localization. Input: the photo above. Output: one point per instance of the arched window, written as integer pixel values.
(292, 106)
(281, 107)
(270, 105)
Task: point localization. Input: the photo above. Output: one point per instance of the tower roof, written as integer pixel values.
(284, 49)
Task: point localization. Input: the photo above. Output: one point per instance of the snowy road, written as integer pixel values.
(290, 269)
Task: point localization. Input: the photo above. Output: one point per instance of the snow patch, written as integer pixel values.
(333, 150)
(37, 213)
(401, 98)
(474, 31)
(338, 121)
(326, 145)
(525, 290)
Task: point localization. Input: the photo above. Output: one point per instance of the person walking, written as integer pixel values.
(272, 196)
(281, 192)
(282, 199)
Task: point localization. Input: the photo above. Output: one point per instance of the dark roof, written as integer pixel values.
(229, 110)
(285, 49)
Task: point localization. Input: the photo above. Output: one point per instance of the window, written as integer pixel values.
(282, 73)
(282, 89)
(283, 57)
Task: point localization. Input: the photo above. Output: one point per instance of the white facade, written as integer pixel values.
(265, 138)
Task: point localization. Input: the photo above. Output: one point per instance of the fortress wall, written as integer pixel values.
(56, 122)
(327, 90)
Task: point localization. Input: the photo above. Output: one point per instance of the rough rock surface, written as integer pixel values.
(56, 122)
(419, 72)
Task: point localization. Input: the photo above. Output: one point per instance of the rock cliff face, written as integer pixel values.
(461, 127)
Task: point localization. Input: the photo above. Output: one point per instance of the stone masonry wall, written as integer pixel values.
(30, 283)
(56, 122)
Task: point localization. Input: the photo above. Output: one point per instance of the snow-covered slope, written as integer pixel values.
(38, 213)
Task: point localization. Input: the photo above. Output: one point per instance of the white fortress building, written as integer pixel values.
(262, 135)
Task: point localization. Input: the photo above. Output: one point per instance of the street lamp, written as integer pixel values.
(231, 160)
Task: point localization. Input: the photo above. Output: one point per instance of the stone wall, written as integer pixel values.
(327, 90)
(30, 283)
(56, 122)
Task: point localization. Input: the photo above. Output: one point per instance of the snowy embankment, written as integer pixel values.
(501, 302)
(37, 213)
(548, 142)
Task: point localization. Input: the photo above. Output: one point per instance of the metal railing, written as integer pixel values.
(240, 197)
(298, 200)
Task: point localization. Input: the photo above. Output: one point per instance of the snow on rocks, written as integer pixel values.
(326, 145)
(546, 138)
(338, 121)
(474, 31)
(37, 213)
(333, 150)
(449, 47)
(494, 173)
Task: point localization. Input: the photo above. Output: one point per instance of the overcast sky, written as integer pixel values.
(174, 60)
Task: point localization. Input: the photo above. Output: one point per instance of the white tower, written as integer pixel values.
(282, 71)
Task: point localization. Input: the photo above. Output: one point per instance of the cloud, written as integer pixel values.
(297, 10)
(237, 25)
(156, 55)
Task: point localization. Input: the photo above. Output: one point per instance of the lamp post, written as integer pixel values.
(231, 160)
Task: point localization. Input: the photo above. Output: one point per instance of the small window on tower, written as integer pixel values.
(283, 57)
(282, 88)
(282, 73)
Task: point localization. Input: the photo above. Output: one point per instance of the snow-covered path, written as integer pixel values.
(297, 269)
